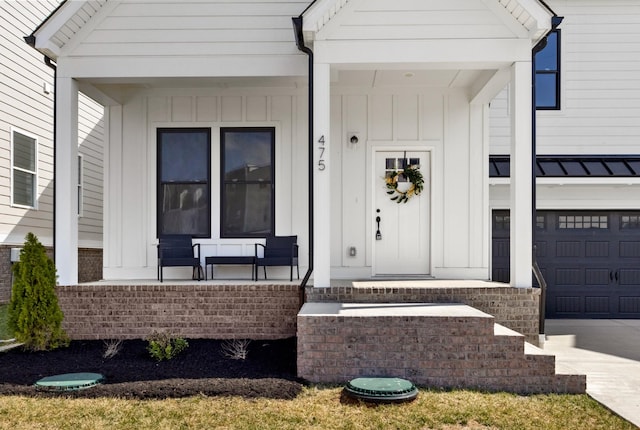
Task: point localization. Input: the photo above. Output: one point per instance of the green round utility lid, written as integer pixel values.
(381, 389)
(69, 381)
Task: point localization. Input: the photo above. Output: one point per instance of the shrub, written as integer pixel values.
(111, 348)
(236, 349)
(34, 315)
(163, 346)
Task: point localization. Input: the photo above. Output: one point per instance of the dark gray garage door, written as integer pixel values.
(590, 260)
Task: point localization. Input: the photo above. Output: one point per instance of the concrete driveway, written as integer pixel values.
(608, 352)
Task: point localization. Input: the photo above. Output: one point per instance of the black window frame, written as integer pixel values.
(159, 182)
(223, 182)
(555, 72)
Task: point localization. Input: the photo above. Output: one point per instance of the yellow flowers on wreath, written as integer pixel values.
(415, 178)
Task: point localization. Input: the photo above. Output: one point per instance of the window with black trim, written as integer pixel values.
(24, 176)
(184, 191)
(247, 181)
(548, 73)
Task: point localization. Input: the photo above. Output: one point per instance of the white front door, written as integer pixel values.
(401, 227)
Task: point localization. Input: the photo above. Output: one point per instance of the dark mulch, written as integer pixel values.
(268, 371)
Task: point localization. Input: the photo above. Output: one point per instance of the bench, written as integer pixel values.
(210, 261)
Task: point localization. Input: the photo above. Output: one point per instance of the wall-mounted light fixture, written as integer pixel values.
(353, 138)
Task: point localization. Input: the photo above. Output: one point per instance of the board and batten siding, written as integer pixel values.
(25, 106)
(600, 83)
(433, 118)
(130, 218)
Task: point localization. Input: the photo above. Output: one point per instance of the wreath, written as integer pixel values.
(415, 178)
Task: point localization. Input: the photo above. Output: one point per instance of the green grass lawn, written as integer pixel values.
(4, 330)
(314, 408)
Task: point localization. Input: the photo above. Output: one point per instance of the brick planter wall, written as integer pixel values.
(97, 311)
(515, 308)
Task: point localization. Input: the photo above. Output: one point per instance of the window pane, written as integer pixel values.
(546, 90)
(185, 209)
(23, 188)
(184, 193)
(24, 152)
(247, 155)
(184, 156)
(247, 182)
(247, 210)
(547, 58)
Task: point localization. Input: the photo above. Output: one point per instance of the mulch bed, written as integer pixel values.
(202, 369)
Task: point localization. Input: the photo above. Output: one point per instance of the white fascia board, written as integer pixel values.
(164, 67)
(488, 90)
(479, 51)
(53, 24)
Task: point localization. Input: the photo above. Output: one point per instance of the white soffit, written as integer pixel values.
(62, 26)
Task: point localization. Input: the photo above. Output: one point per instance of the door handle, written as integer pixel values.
(378, 234)
(616, 275)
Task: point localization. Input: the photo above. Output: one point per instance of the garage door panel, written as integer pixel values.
(597, 305)
(630, 305)
(597, 276)
(630, 249)
(628, 277)
(541, 249)
(568, 305)
(596, 249)
(568, 276)
(568, 249)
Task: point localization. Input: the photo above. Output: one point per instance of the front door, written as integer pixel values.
(401, 219)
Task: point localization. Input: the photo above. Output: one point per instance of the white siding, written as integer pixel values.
(600, 83)
(131, 215)
(90, 145)
(26, 106)
(179, 29)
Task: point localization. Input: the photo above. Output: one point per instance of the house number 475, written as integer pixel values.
(321, 148)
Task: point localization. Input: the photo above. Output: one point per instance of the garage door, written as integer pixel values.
(590, 260)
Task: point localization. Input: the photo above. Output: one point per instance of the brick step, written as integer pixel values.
(441, 345)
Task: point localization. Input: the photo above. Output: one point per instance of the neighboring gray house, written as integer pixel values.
(26, 147)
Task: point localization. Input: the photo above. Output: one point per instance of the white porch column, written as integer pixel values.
(521, 205)
(321, 176)
(66, 186)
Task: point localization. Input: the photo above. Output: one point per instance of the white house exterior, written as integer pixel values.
(589, 230)
(408, 79)
(26, 143)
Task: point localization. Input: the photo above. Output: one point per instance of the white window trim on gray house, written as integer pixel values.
(23, 169)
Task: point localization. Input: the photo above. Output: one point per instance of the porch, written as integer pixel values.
(224, 309)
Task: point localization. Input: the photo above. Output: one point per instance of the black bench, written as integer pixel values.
(228, 260)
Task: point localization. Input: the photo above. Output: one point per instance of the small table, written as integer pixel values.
(228, 260)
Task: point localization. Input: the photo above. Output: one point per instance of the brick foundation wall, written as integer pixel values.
(5, 274)
(96, 311)
(89, 264)
(515, 308)
(89, 267)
